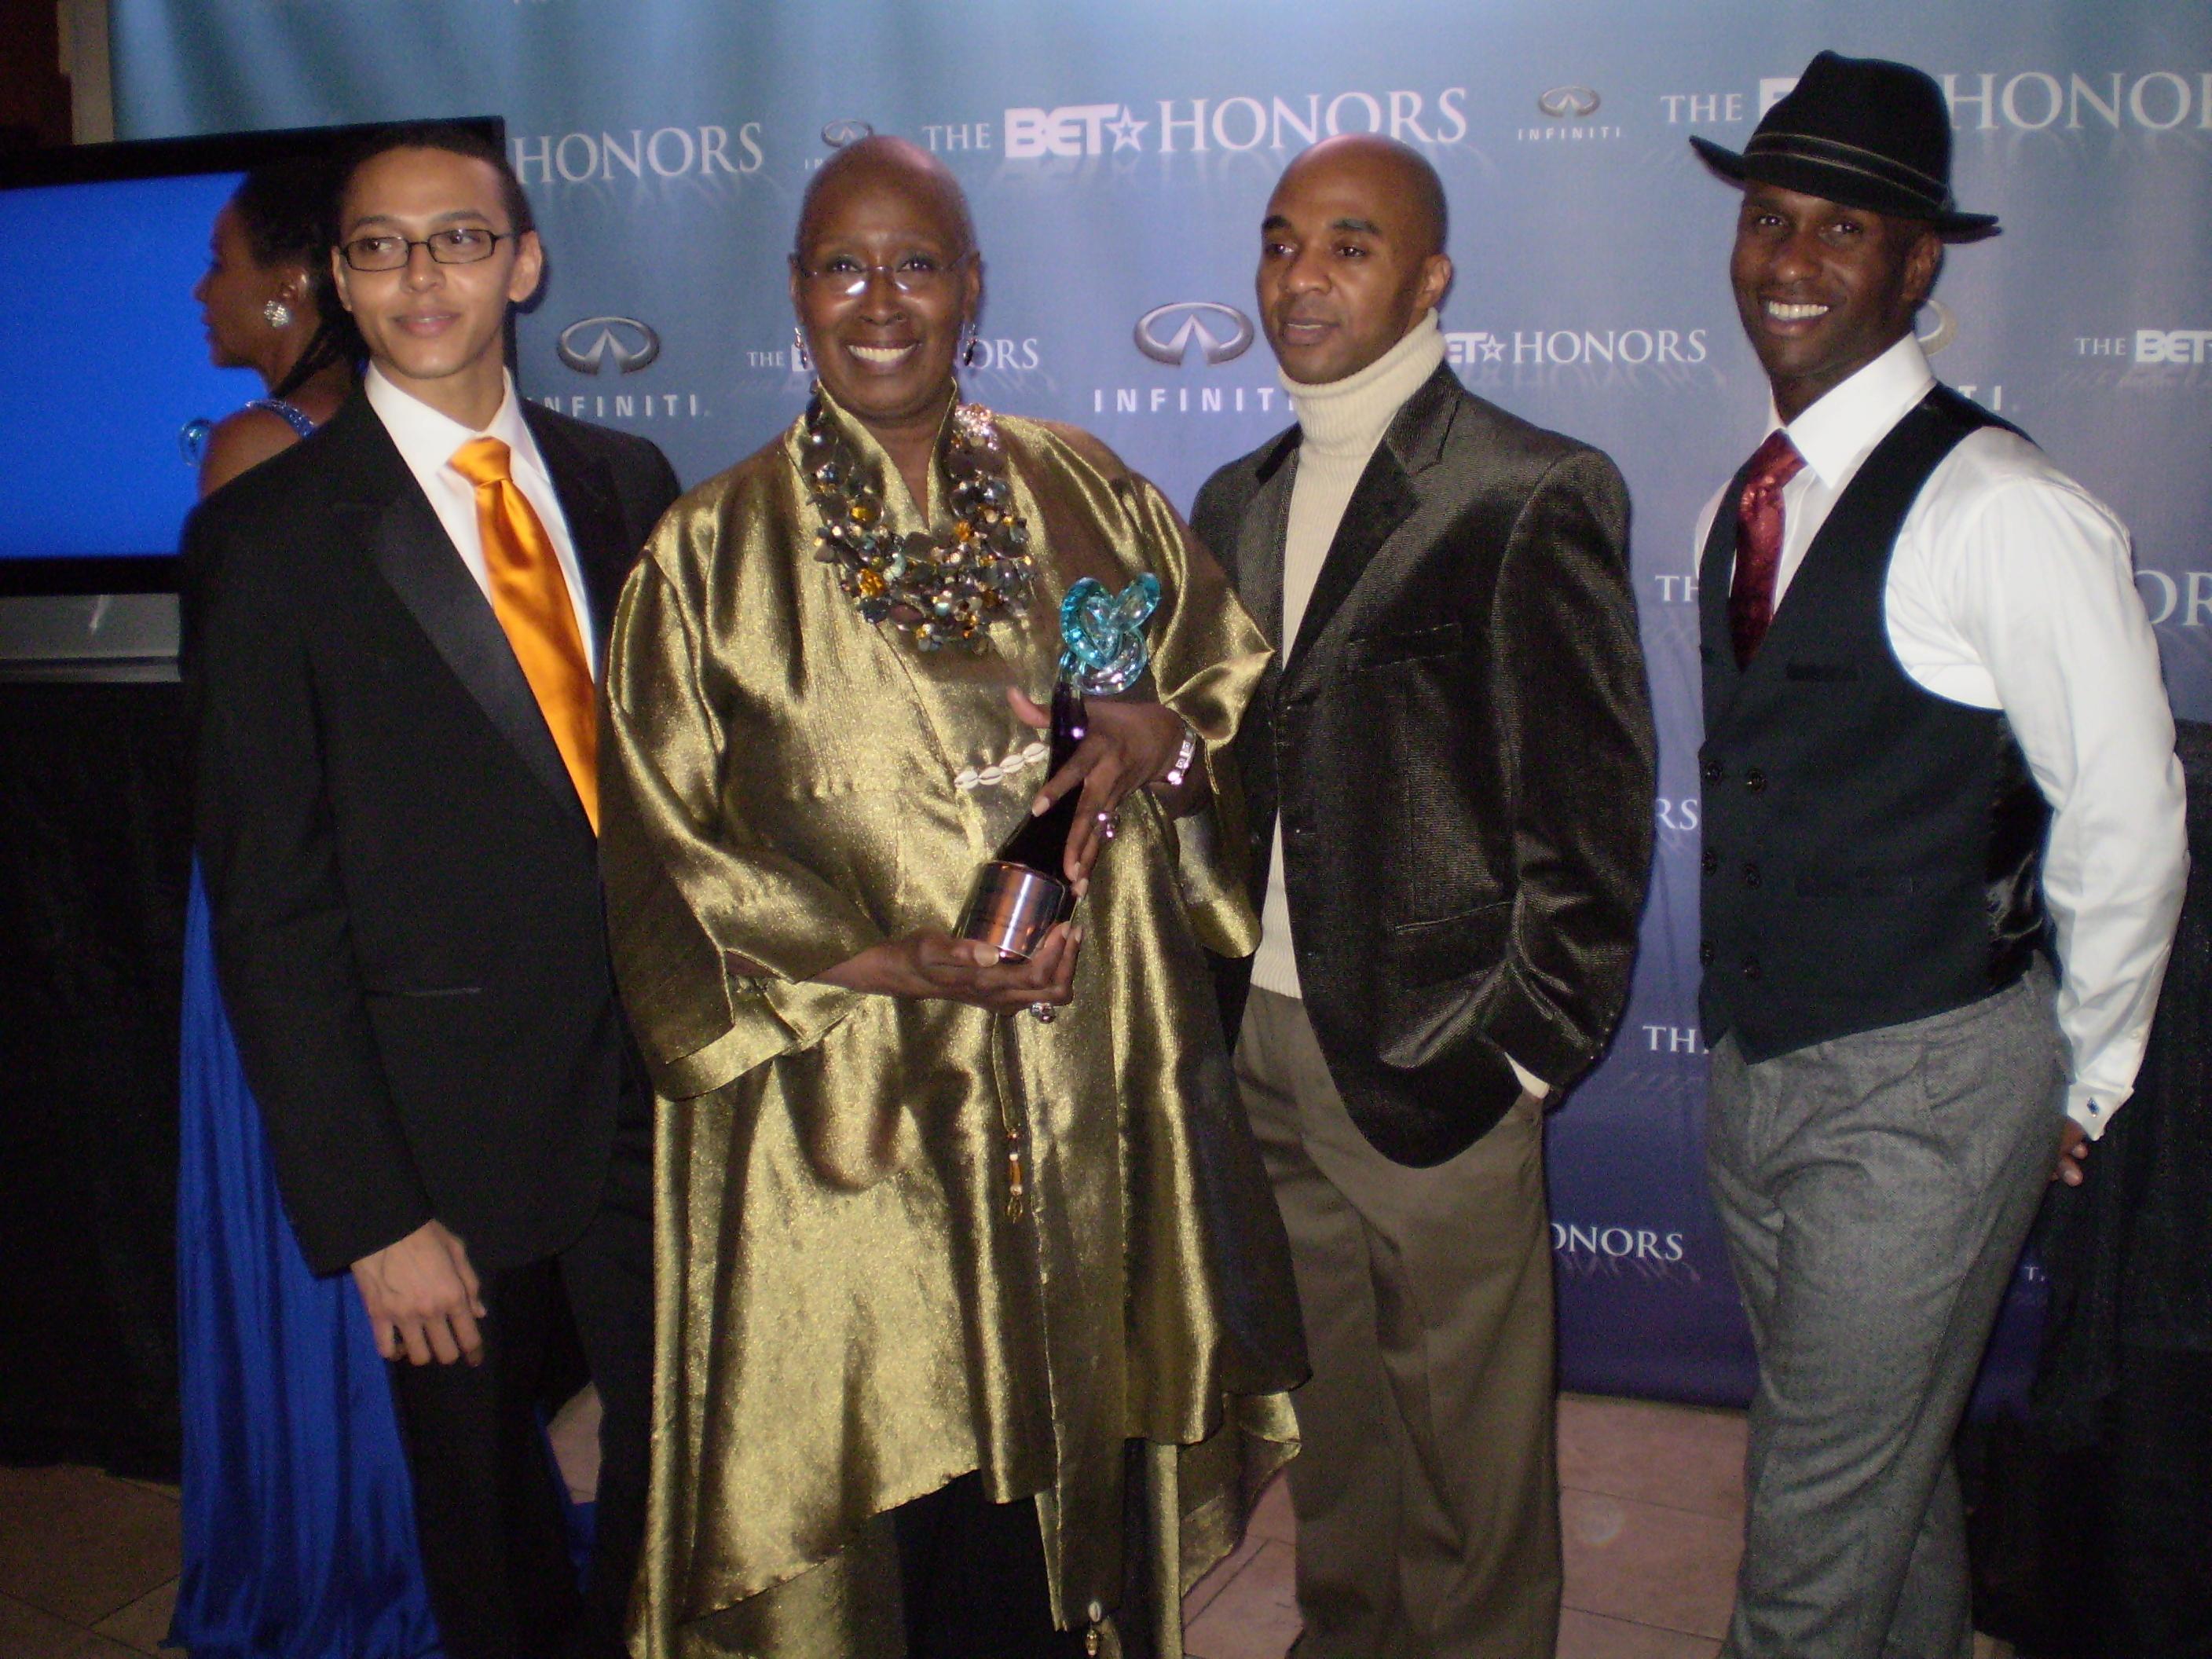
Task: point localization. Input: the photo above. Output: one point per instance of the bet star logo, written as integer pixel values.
(1127, 130)
(1475, 346)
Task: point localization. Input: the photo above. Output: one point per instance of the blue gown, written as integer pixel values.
(299, 1515)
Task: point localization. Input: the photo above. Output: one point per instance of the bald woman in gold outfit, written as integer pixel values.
(975, 1312)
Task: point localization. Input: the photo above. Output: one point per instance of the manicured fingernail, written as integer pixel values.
(1038, 805)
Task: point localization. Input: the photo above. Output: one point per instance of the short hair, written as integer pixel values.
(863, 151)
(455, 140)
(1425, 189)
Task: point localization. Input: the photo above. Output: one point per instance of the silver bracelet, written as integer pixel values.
(1183, 756)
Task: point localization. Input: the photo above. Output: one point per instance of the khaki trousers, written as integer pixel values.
(1427, 1490)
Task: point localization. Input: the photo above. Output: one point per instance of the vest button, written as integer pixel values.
(1751, 969)
(1713, 771)
(1710, 862)
(1755, 780)
(1751, 875)
(1705, 952)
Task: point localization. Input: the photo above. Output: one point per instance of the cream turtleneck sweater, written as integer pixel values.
(1341, 422)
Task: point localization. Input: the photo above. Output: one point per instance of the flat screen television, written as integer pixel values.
(106, 370)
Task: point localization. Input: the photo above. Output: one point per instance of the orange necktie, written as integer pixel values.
(530, 599)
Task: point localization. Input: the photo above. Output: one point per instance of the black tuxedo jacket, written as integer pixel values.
(1459, 746)
(405, 890)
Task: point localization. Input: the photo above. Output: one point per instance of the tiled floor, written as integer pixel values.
(1650, 1504)
(1652, 1499)
(87, 1564)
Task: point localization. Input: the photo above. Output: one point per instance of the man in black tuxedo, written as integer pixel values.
(391, 633)
(1449, 776)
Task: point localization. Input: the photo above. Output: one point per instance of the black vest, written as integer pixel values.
(1872, 851)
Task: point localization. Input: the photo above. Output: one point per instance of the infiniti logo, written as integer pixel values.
(1943, 327)
(586, 346)
(838, 134)
(1568, 103)
(1165, 333)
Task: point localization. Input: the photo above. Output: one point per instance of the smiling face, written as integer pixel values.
(1349, 260)
(435, 331)
(886, 355)
(232, 292)
(1824, 290)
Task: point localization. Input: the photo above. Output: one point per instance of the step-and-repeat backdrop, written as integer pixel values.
(1119, 155)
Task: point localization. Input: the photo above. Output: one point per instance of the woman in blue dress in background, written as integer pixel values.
(299, 1523)
(270, 306)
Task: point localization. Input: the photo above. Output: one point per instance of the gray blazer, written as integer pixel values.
(1460, 745)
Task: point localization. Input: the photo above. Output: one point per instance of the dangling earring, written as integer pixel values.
(968, 343)
(802, 359)
(276, 314)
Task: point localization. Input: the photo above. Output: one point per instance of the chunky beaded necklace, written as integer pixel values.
(933, 592)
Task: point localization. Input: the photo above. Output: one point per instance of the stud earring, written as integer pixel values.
(276, 314)
(802, 359)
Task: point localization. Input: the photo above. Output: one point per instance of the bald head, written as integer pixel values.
(1351, 256)
(881, 160)
(1389, 171)
(884, 277)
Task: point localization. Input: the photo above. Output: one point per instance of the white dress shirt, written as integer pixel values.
(2013, 587)
(427, 441)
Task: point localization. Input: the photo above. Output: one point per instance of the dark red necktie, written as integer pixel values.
(1758, 542)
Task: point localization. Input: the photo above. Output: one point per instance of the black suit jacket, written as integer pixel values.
(1461, 749)
(408, 923)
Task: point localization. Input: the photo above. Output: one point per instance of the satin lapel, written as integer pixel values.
(411, 550)
(596, 530)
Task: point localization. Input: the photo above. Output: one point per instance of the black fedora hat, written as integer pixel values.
(1862, 131)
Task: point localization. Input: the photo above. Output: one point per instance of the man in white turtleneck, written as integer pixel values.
(1449, 777)
(1340, 423)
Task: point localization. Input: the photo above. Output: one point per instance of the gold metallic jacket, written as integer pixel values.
(846, 1317)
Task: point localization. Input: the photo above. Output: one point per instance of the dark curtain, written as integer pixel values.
(2093, 1533)
(94, 857)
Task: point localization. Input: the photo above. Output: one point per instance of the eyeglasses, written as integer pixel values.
(914, 274)
(458, 245)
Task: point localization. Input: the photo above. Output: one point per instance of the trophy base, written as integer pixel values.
(1011, 907)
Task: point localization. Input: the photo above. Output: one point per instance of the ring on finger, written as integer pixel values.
(1043, 1012)
(1109, 823)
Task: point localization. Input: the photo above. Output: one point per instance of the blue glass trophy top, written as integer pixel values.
(1103, 633)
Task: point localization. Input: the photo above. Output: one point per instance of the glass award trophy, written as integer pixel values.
(1024, 892)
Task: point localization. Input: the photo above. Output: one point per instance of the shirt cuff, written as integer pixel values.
(2092, 1109)
(1530, 1083)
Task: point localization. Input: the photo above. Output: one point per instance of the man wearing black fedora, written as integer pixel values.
(1937, 756)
